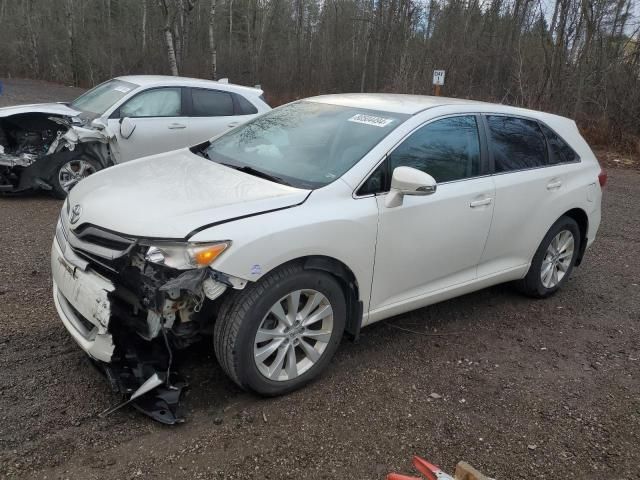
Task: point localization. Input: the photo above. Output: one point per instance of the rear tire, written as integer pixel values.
(554, 260)
(258, 348)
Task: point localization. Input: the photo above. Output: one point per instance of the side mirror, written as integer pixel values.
(409, 181)
(126, 127)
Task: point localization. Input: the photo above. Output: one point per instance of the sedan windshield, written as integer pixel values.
(99, 99)
(304, 144)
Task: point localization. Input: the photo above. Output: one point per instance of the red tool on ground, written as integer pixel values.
(429, 471)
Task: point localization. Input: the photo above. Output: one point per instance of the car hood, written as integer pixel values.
(172, 194)
(46, 108)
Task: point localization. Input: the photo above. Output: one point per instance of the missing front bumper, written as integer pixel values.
(82, 301)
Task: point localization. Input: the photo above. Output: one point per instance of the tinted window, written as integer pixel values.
(517, 143)
(446, 149)
(245, 107)
(211, 103)
(559, 151)
(159, 102)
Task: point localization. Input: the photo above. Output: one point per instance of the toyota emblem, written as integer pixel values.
(75, 213)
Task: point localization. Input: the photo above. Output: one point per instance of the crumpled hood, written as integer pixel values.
(46, 108)
(172, 194)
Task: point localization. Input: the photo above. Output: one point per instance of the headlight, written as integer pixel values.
(184, 257)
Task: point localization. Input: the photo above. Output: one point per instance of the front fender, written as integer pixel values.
(341, 228)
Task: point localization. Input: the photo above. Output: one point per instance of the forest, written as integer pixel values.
(578, 58)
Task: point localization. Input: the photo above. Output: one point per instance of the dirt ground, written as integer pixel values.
(526, 388)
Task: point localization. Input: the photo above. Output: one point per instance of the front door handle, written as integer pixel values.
(176, 126)
(481, 203)
(233, 124)
(554, 184)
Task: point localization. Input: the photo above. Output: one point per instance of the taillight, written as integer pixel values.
(602, 178)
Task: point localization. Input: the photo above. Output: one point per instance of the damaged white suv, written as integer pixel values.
(53, 146)
(313, 220)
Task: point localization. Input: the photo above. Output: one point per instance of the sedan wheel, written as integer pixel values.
(72, 172)
(558, 258)
(293, 335)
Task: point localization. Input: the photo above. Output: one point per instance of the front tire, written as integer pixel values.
(280, 333)
(70, 172)
(554, 260)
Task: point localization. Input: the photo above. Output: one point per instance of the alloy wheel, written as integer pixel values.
(72, 172)
(293, 335)
(557, 259)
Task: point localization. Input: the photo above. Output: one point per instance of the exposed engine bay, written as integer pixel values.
(34, 146)
(143, 312)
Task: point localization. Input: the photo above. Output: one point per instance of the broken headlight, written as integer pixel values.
(187, 256)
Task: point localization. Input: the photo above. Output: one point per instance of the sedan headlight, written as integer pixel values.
(187, 256)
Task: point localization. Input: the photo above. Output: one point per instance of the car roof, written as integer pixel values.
(412, 104)
(389, 102)
(168, 80)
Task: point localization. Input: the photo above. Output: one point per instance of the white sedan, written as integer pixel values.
(53, 146)
(315, 219)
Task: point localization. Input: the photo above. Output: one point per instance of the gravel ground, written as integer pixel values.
(525, 388)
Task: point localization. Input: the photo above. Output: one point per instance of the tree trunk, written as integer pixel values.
(169, 20)
(109, 37)
(33, 40)
(73, 55)
(144, 26)
(212, 41)
(230, 28)
(171, 53)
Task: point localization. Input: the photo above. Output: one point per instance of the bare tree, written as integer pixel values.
(144, 26)
(212, 41)
(73, 52)
(170, 11)
(579, 58)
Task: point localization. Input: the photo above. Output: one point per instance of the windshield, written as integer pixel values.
(304, 144)
(99, 99)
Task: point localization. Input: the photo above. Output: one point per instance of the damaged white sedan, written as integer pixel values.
(54, 146)
(309, 222)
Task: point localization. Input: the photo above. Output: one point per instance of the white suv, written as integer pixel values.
(318, 218)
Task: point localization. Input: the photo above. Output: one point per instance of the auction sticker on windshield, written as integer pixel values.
(371, 120)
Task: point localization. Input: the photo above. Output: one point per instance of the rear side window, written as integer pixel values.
(517, 143)
(244, 106)
(211, 103)
(559, 150)
(447, 149)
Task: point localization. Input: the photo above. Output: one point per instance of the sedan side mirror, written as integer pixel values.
(126, 127)
(409, 181)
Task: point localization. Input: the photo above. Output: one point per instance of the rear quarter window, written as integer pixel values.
(517, 143)
(244, 106)
(559, 150)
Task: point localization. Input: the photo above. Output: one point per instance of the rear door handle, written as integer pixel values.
(554, 184)
(233, 124)
(481, 203)
(176, 126)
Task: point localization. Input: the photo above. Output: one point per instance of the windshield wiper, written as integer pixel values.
(257, 173)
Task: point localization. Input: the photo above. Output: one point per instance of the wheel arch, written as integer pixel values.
(348, 282)
(582, 219)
